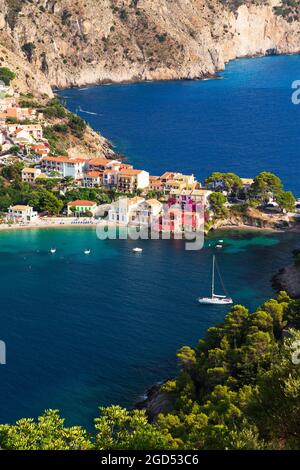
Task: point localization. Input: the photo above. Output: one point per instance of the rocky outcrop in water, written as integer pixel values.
(65, 42)
(156, 402)
(288, 278)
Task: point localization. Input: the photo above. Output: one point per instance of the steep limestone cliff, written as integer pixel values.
(78, 42)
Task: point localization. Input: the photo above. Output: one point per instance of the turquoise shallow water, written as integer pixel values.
(84, 331)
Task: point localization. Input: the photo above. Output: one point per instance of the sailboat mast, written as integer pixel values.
(213, 278)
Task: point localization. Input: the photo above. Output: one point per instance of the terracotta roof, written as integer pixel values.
(30, 170)
(130, 172)
(167, 175)
(98, 161)
(56, 159)
(20, 208)
(82, 203)
(93, 174)
(63, 160)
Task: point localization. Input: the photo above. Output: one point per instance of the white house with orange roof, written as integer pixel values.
(148, 212)
(35, 130)
(80, 207)
(64, 166)
(131, 180)
(20, 213)
(23, 137)
(124, 210)
(41, 149)
(92, 179)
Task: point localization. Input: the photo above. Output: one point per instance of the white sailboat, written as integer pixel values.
(215, 299)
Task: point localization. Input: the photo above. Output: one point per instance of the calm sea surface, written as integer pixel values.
(244, 122)
(86, 331)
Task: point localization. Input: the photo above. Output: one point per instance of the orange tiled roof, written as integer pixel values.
(130, 172)
(93, 174)
(79, 202)
(98, 161)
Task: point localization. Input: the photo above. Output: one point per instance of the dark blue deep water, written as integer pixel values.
(245, 122)
(85, 331)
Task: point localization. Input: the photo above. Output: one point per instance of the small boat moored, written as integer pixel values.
(87, 252)
(137, 250)
(215, 299)
(53, 251)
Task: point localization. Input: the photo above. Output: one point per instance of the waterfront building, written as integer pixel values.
(81, 207)
(124, 210)
(147, 213)
(21, 214)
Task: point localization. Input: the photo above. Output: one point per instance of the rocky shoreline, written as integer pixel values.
(288, 279)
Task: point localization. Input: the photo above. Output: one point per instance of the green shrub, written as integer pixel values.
(6, 75)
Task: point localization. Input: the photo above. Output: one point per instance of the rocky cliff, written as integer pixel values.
(77, 42)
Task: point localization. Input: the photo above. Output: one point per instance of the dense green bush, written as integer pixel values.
(6, 75)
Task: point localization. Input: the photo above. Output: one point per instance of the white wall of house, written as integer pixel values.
(143, 180)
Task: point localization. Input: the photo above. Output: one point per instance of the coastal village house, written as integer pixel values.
(81, 207)
(92, 179)
(197, 196)
(147, 212)
(21, 214)
(64, 166)
(23, 137)
(247, 183)
(110, 178)
(34, 130)
(42, 149)
(130, 180)
(29, 175)
(123, 210)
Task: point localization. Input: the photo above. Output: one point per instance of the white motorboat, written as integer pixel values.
(215, 299)
(219, 246)
(53, 251)
(87, 252)
(137, 250)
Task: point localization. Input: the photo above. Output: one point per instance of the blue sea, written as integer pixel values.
(88, 331)
(245, 122)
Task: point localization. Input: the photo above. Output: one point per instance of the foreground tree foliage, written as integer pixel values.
(238, 389)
